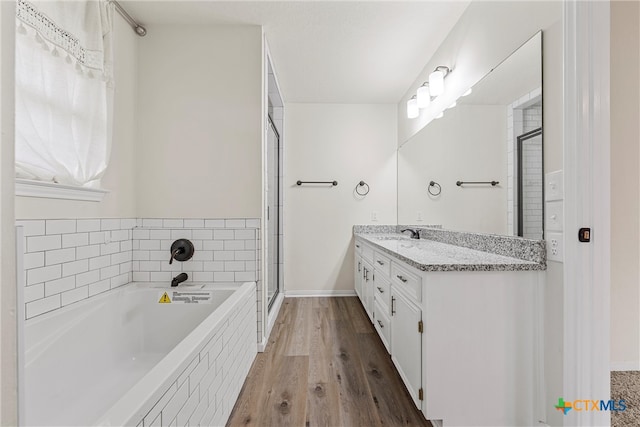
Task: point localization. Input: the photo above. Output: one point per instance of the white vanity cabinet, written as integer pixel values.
(467, 342)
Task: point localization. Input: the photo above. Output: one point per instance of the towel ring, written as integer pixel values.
(362, 184)
(435, 192)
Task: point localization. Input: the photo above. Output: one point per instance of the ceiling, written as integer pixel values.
(329, 51)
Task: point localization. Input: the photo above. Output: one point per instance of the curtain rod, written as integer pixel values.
(139, 29)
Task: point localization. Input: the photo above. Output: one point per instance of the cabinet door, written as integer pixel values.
(367, 287)
(358, 277)
(406, 342)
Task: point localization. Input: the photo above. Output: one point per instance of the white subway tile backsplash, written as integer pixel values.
(161, 276)
(245, 234)
(41, 306)
(152, 223)
(96, 237)
(60, 226)
(110, 248)
(213, 266)
(235, 223)
(223, 235)
(75, 267)
(234, 266)
(150, 245)
(173, 223)
(159, 234)
(43, 243)
(75, 239)
(120, 280)
(128, 223)
(245, 255)
(181, 234)
(59, 256)
(119, 235)
(220, 276)
(141, 233)
(32, 293)
(141, 276)
(43, 274)
(194, 223)
(233, 245)
(59, 285)
(223, 255)
(214, 223)
(110, 224)
(86, 225)
(203, 256)
(99, 262)
(175, 404)
(245, 276)
(120, 257)
(182, 419)
(202, 276)
(75, 295)
(253, 223)
(202, 234)
(213, 245)
(87, 278)
(109, 272)
(127, 245)
(84, 252)
(33, 260)
(32, 227)
(184, 375)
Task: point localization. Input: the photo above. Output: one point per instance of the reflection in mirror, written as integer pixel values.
(493, 134)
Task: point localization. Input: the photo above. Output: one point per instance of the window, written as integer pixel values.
(64, 92)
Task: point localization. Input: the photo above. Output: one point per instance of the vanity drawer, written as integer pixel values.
(382, 290)
(410, 283)
(367, 251)
(382, 324)
(382, 263)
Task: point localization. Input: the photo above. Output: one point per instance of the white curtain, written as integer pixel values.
(64, 90)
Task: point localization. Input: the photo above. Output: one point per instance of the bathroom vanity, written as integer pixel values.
(462, 326)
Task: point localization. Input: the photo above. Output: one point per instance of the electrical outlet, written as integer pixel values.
(554, 216)
(555, 247)
(374, 215)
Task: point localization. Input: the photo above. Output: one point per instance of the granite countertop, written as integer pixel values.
(428, 255)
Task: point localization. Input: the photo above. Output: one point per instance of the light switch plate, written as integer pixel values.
(554, 186)
(555, 247)
(554, 215)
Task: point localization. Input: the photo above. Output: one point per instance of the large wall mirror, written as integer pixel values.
(492, 134)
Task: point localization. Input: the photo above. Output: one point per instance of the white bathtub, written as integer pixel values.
(122, 357)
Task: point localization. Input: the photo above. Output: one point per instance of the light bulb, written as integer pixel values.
(423, 96)
(439, 116)
(412, 108)
(436, 83)
(468, 92)
(453, 105)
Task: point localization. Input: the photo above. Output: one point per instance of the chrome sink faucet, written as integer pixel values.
(415, 234)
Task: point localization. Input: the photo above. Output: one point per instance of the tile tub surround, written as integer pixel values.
(69, 260)
(428, 255)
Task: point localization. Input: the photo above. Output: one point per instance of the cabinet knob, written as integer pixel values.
(380, 290)
(380, 262)
(380, 323)
(401, 278)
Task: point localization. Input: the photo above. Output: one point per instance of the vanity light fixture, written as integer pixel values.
(468, 92)
(436, 80)
(412, 108)
(423, 96)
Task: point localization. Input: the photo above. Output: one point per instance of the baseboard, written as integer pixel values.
(436, 423)
(262, 345)
(332, 293)
(630, 365)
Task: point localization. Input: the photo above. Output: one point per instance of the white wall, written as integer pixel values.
(200, 112)
(470, 144)
(8, 361)
(119, 177)
(346, 143)
(487, 33)
(625, 185)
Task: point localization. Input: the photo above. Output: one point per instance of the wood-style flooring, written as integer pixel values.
(324, 365)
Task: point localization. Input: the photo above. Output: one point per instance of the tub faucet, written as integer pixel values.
(179, 279)
(415, 234)
(174, 253)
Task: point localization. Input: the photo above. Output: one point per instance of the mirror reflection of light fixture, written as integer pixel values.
(468, 92)
(412, 108)
(423, 96)
(436, 80)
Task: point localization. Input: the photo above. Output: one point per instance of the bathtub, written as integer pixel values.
(123, 358)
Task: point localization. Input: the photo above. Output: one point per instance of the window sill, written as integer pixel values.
(49, 190)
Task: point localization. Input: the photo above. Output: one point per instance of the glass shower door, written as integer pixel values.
(273, 213)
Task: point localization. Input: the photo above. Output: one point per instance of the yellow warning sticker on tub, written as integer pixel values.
(186, 297)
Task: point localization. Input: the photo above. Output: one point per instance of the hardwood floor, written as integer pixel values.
(324, 365)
